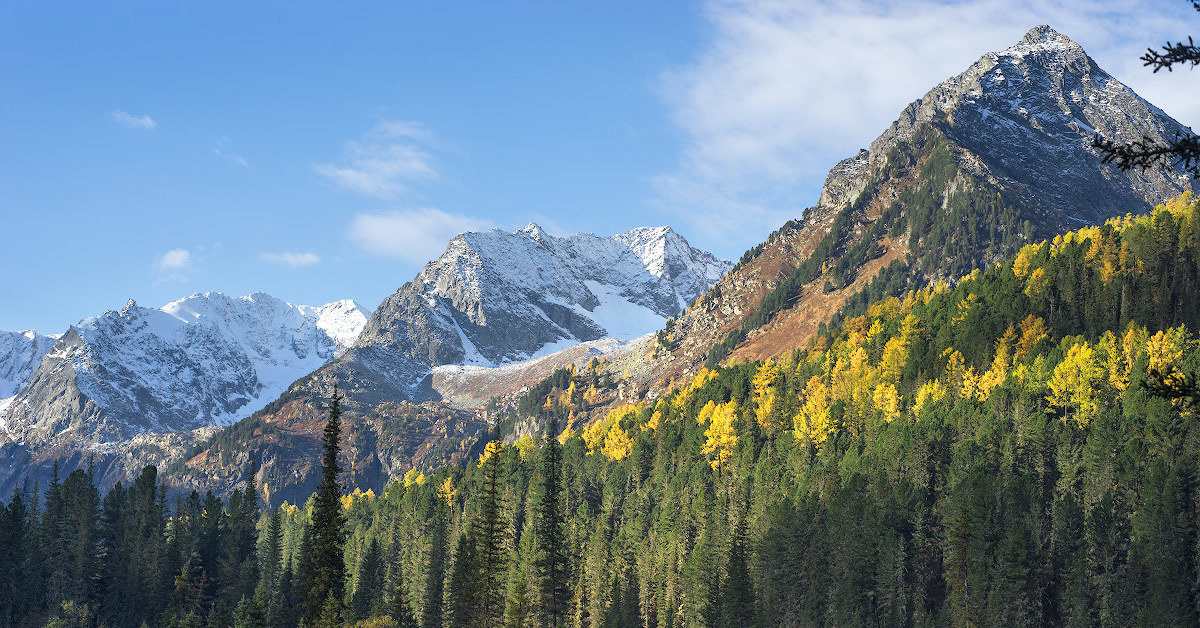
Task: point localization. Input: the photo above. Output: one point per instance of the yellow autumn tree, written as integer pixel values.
(930, 392)
(721, 434)
(617, 444)
(1024, 260)
(1033, 330)
(813, 424)
(887, 401)
(994, 376)
(413, 476)
(1165, 348)
(491, 449)
(1037, 283)
(765, 394)
(1074, 386)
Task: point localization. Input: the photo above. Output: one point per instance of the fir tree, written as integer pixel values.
(325, 582)
(491, 536)
(431, 609)
(550, 558)
(368, 592)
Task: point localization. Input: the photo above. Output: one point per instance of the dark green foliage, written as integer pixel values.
(1000, 511)
(323, 567)
(550, 558)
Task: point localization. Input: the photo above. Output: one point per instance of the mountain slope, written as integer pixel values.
(205, 360)
(20, 354)
(492, 299)
(982, 164)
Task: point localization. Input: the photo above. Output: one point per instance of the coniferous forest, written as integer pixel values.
(1019, 447)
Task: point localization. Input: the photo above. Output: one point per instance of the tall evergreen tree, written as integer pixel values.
(14, 541)
(461, 603)
(491, 532)
(431, 609)
(737, 594)
(368, 590)
(325, 583)
(270, 568)
(550, 557)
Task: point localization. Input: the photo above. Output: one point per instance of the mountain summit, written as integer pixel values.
(983, 163)
(208, 359)
(497, 297)
(1029, 113)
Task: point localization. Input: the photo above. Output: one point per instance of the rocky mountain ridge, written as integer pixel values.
(987, 160)
(205, 360)
(492, 301)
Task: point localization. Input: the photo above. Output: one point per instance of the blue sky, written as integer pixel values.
(319, 151)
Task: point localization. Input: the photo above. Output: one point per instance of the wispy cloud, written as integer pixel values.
(128, 120)
(222, 150)
(292, 260)
(415, 236)
(174, 265)
(386, 161)
(783, 90)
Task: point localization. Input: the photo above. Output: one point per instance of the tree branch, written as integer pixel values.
(1186, 54)
(1183, 153)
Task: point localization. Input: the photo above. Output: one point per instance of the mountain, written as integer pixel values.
(492, 299)
(20, 354)
(499, 297)
(208, 359)
(983, 163)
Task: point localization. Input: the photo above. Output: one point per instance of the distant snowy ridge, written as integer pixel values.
(20, 354)
(501, 297)
(579, 287)
(208, 359)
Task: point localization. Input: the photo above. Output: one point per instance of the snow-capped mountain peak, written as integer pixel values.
(497, 297)
(202, 360)
(20, 354)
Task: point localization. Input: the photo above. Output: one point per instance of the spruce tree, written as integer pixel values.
(550, 558)
(269, 578)
(461, 602)
(431, 609)
(368, 591)
(326, 578)
(737, 595)
(491, 537)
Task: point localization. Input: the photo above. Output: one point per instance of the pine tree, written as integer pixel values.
(491, 537)
(398, 606)
(460, 590)
(737, 594)
(14, 540)
(368, 592)
(431, 609)
(325, 582)
(272, 555)
(550, 558)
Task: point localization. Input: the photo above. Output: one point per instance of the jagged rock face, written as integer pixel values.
(500, 297)
(1018, 125)
(1030, 112)
(205, 360)
(20, 354)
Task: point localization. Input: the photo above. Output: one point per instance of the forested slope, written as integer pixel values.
(1016, 449)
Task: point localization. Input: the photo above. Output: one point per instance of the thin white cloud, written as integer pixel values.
(128, 120)
(415, 236)
(386, 161)
(292, 260)
(221, 149)
(783, 90)
(174, 265)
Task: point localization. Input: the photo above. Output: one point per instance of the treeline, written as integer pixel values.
(1018, 449)
(70, 558)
